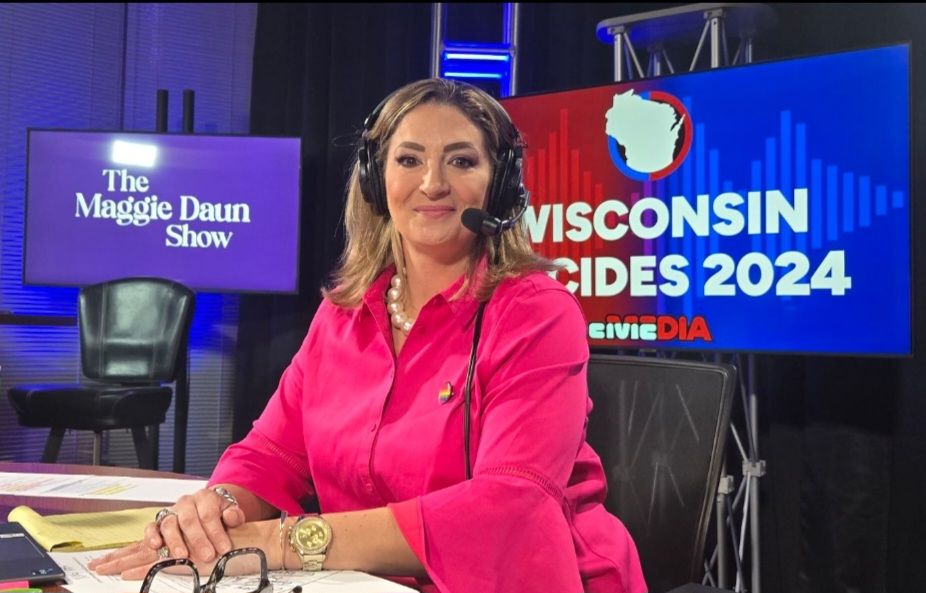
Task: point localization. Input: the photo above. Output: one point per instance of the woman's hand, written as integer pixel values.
(196, 527)
(133, 561)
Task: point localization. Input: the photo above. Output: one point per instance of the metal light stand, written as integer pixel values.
(507, 51)
(653, 30)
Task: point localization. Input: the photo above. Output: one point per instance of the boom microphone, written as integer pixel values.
(481, 222)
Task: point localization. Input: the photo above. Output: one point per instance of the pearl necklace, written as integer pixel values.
(397, 314)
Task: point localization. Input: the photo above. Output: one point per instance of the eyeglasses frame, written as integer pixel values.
(218, 571)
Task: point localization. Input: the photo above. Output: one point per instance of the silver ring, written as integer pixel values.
(163, 552)
(226, 495)
(163, 514)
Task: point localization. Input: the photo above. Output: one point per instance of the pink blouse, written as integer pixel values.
(360, 428)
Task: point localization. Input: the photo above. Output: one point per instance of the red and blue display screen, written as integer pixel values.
(761, 208)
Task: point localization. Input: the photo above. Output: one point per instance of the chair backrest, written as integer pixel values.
(132, 329)
(660, 427)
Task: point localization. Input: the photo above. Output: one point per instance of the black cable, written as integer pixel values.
(471, 369)
(467, 391)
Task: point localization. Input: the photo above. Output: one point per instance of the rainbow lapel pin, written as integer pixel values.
(445, 393)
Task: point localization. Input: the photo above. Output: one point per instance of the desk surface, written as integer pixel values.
(53, 506)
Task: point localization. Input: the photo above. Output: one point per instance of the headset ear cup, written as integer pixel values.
(498, 200)
(370, 175)
(363, 173)
(370, 178)
(515, 188)
(379, 190)
(380, 184)
(506, 184)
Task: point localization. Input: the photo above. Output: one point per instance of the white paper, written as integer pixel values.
(81, 579)
(166, 490)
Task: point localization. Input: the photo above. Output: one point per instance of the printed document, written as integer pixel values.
(166, 490)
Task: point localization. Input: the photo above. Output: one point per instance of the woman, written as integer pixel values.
(368, 418)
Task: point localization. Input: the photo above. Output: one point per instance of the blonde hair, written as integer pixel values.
(373, 244)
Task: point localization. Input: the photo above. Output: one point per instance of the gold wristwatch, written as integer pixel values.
(310, 537)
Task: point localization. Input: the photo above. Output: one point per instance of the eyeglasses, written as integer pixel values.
(235, 572)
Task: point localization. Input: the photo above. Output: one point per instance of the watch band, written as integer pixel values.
(313, 562)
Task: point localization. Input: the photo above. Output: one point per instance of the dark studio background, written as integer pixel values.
(843, 437)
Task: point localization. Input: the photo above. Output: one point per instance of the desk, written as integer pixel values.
(54, 506)
(48, 505)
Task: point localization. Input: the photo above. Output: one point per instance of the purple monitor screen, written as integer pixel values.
(217, 213)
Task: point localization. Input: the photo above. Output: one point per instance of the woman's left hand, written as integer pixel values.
(133, 561)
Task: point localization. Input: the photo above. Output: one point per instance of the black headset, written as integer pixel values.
(506, 190)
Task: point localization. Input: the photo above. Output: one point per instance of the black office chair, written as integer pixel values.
(660, 427)
(133, 332)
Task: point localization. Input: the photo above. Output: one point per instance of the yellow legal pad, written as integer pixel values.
(75, 532)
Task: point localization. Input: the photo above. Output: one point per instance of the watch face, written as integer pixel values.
(311, 536)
